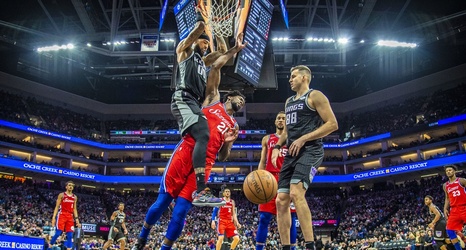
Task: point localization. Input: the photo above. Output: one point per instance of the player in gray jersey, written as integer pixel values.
(309, 118)
(118, 229)
(190, 94)
(438, 224)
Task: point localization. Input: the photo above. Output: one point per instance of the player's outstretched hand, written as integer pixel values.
(239, 41)
(213, 225)
(231, 135)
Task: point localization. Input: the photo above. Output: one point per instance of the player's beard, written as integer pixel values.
(198, 50)
(235, 106)
(280, 128)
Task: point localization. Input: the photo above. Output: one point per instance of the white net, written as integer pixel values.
(221, 17)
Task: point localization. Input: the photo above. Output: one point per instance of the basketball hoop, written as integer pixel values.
(220, 15)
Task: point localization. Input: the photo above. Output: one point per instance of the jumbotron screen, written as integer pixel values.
(185, 15)
(256, 33)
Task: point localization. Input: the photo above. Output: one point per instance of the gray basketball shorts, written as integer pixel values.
(440, 230)
(186, 110)
(297, 169)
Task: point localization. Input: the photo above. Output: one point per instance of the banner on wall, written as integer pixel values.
(149, 42)
(376, 173)
(15, 242)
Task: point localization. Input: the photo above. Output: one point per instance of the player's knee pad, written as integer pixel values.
(158, 208)
(175, 227)
(293, 231)
(451, 234)
(69, 238)
(262, 230)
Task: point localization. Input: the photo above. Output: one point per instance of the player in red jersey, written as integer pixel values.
(455, 205)
(179, 180)
(268, 210)
(227, 221)
(65, 215)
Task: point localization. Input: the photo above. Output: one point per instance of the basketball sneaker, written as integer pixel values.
(140, 244)
(205, 198)
(312, 174)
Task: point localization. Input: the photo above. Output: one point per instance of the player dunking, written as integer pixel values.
(118, 229)
(189, 95)
(179, 180)
(309, 118)
(269, 209)
(227, 221)
(438, 224)
(65, 215)
(455, 205)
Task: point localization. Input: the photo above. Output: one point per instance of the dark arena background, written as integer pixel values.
(85, 91)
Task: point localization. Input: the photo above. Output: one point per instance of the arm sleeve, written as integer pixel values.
(214, 213)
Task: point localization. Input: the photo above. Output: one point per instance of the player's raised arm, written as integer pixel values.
(184, 47)
(213, 80)
(213, 56)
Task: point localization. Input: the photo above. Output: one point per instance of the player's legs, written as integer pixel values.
(293, 230)
(306, 167)
(262, 229)
(69, 239)
(219, 244)
(60, 225)
(235, 242)
(108, 243)
(200, 132)
(152, 216)
(221, 228)
(122, 243)
(232, 232)
(176, 224)
(284, 218)
(454, 224)
(283, 201)
(187, 111)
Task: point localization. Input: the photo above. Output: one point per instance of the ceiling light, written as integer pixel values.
(390, 43)
(343, 40)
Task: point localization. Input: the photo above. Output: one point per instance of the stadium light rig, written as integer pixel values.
(68, 46)
(390, 43)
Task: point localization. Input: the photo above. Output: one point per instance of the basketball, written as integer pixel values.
(260, 186)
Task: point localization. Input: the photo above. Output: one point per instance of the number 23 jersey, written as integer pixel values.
(456, 193)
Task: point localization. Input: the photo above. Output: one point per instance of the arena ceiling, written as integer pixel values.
(124, 74)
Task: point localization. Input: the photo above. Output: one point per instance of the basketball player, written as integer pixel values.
(179, 180)
(118, 229)
(455, 205)
(309, 118)
(227, 221)
(65, 215)
(268, 210)
(188, 97)
(438, 224)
